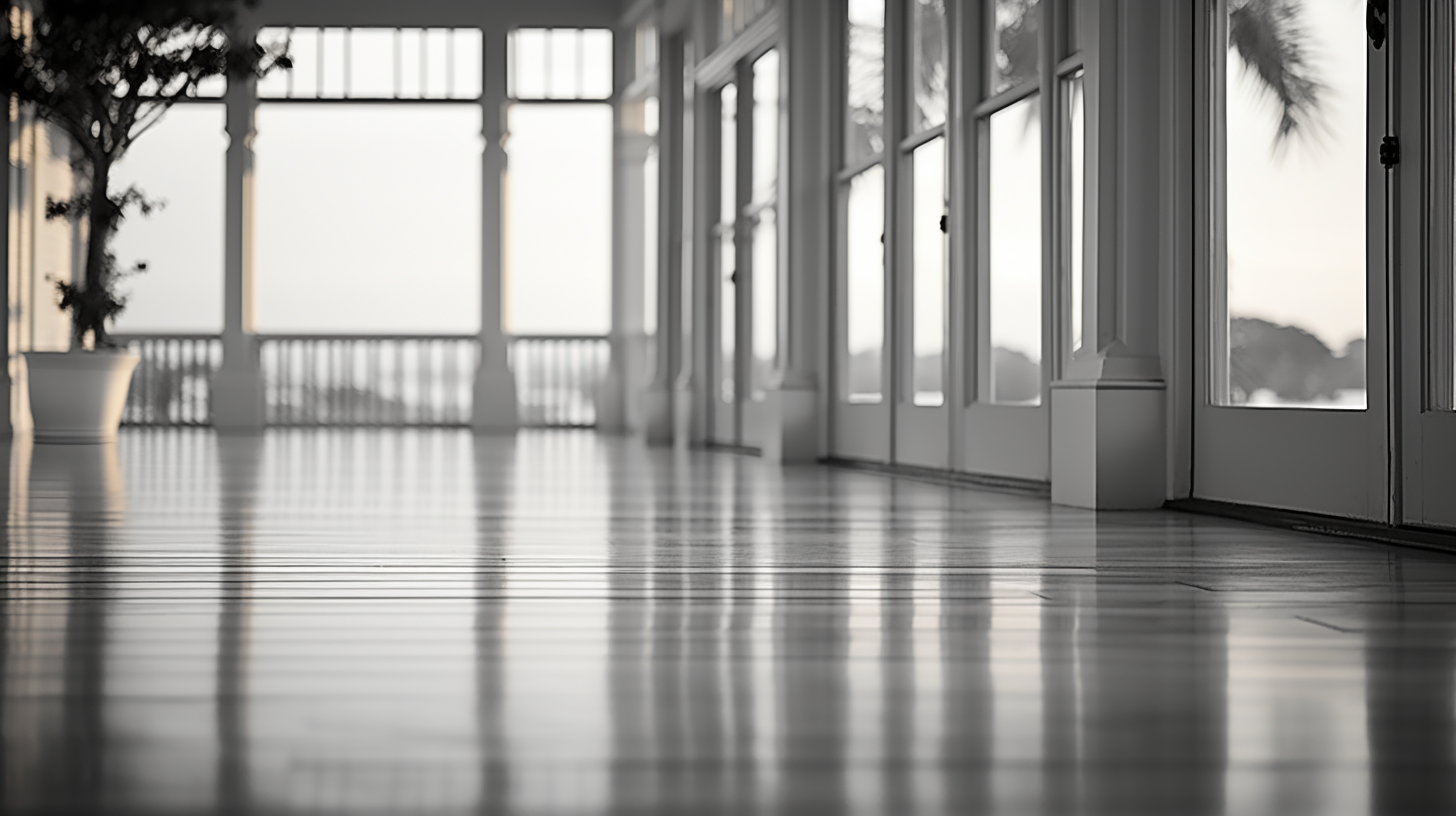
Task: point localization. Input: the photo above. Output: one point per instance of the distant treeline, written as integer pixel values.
(1289, 361)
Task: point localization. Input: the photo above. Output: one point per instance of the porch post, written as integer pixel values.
(7, 426)
(691, 389)
(667, 343)
(494, 394)
(237, 397)
(619, 400)
(793, 431)
(1109, 410)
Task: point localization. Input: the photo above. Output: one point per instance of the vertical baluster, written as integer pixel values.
(275, 376)
(214, 365)
(374, 378)
(422, 412)
(331, 392)
(146, 381)
(162, 372)
(341, 380)
(557, 367)
(398, 411)
(331, 382)
(346, 390)
(179, 384)
(169, 381)
(311, 379)
(297, 378)
(582, 369)
(358, 374)
(452, 392)
(539, 379)
(437, 413)
(189, 398)
(195, 352)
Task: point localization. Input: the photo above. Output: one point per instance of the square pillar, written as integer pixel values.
(1109, 410)
(807, 122)
(238, 390)
(493, 396)
(659, 403)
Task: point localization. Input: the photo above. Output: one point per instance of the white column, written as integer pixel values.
(1109, 410)
(690, 400)
(237, 396)
(7, 427)
(794, 432)
(619, 398)
(494, 393)
(667, 344)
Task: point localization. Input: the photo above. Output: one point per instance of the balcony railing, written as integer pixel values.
(367, 380)
(172, 385)
(557, 379)
(351, 380)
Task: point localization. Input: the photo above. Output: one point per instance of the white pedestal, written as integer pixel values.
(1108, 443)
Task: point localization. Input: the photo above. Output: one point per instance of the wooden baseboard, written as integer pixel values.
(1422, 538)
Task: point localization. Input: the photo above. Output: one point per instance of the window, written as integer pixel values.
(1010, 280)
(560, 63)
(862, 192)
(927, 88)
(1292, 332)
(396, 249)
(762, 210)
(376, 63)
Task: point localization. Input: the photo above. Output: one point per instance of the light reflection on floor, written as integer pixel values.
(422, 622)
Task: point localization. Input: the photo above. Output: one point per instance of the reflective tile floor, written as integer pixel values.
(352, 622)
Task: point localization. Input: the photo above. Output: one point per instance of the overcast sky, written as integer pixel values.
(1296, 216)
(368, 220)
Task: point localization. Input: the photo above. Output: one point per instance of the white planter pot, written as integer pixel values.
(78, 396)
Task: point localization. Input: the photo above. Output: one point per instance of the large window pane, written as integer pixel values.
(371, 62)
(559, 243)
(930, 270)
(865, 86)
(728, 155)
(1015, 43)
(766, 126)
(649, 242)
(1296, 204)
(765, 299)
(1075, 187)
(1014, 241)
(727, 317)
(180, 162)
(727, 251)
(865, 286)
(929, 72)
(393, 249)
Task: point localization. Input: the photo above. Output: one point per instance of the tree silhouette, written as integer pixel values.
(105, 72)
(1268, 36)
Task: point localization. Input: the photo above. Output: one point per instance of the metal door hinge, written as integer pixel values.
(945, 223)
(1389, 152)
(1377, 15)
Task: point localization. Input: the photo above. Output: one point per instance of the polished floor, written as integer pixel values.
(391, 622)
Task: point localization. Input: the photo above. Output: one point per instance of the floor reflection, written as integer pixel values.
(431, 623)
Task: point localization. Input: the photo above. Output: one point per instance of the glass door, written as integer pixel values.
(922, 415)
(1427, 308)
(1006, 418)
(1292, 403)
(746, 314)
(725, 420)
(862, 367)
